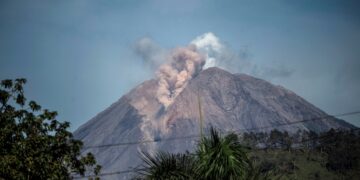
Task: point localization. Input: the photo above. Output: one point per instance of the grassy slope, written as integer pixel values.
(307, 165)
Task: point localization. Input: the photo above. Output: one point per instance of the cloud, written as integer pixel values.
(220, 55)
(150, 52)
(271, 72)
(174, 68)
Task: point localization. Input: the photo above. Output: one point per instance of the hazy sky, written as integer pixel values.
(79, 56)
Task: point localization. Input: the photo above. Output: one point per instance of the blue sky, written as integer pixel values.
(79, 57)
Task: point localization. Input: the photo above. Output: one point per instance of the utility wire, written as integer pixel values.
(137, 170)
(325, 136)
(239, 130)
(142, 142)
(306, 120)
(107, 174)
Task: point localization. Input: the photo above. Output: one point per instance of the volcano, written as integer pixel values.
(226, 101)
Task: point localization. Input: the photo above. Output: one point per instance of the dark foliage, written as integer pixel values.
(343, 149)
(167, 166)
(33, 144)
(225, 157)
(216, 157)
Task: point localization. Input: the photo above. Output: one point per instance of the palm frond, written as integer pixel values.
(221, 157)
(164, 165)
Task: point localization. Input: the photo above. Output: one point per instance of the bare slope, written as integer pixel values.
(229, 102)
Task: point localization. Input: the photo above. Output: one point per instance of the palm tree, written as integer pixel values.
(167, 166)
(221, 157)
(216, 157)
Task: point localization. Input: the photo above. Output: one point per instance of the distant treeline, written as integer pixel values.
(260, 156)
(340, 147)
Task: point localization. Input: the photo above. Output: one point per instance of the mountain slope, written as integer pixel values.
(229, 102)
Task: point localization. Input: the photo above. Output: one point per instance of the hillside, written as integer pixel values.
(229, 102)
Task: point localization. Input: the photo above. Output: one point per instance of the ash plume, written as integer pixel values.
(173, 69)
(182, 65)
(150, 52)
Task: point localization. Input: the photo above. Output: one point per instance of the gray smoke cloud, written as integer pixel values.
(150, 52)
(271, 72)
(181, 66)
(176, 67)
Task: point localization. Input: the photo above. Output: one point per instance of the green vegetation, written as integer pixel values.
(330, 155)
(282, 164)
(221, 157)
(216, 158)
(167, 166)
(275, 155)
(33, 144)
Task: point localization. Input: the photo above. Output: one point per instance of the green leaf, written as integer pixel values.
(7, 83)
(33, 144)
(34, 106)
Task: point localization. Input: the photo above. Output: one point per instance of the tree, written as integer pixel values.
(342, 149)
(263, 139)
(167, 166)
(33, 144)
(313, 136)
(216, 157)
(250, 139)
(222, 157)
(287, 141)
(275, 138)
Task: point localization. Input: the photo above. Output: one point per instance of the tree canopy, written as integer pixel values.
(216, 157)
(33, 143)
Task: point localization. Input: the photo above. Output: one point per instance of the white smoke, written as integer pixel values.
(175, 68)
(218, 54)
(209, 45)
(181, 66)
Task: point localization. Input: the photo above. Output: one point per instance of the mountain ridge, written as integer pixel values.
(229, 102)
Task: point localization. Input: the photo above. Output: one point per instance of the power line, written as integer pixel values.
(306, 120)
(136, 170)
(142, 142)
(239, 130)
(325, 136)
(107, 174)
